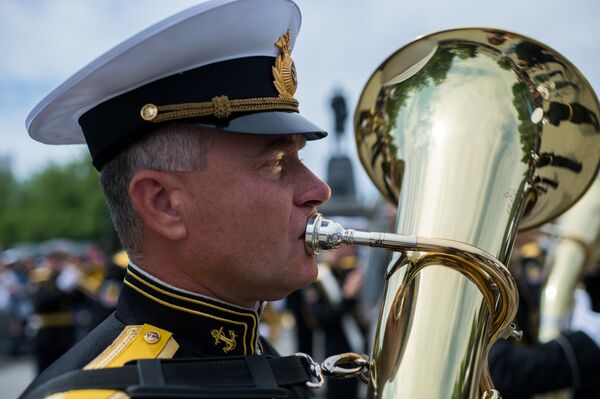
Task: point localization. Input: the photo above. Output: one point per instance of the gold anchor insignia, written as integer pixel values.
(219, 336)
(284, 71)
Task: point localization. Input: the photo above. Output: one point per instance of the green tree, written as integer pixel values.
(9, 191)
(60, 201)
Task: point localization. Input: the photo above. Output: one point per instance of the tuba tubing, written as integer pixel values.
(488, 274)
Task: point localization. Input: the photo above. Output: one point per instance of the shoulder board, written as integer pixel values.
(134, 342)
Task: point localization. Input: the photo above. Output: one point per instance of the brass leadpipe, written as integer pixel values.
(488, 274)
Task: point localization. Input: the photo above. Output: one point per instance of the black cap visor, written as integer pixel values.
(272, 122)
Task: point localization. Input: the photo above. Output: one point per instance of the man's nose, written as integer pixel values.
(312, 191)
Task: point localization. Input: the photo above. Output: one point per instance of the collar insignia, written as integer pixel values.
(229, 342)
(224, 329)
(284, 71)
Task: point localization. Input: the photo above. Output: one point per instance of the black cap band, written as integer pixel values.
(112, 125)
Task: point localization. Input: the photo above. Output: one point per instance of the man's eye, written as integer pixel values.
(276, 164)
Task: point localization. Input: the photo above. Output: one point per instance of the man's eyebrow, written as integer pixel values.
(286, 144)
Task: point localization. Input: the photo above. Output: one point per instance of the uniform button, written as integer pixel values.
(149, 112)
(152, 337)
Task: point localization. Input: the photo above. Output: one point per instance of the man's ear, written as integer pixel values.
(157, 200)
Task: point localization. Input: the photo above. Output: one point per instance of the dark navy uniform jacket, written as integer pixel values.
(155, 320)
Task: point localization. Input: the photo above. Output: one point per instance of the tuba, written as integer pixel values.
(473, 134)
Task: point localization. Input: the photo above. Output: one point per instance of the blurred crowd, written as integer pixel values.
(54, 293)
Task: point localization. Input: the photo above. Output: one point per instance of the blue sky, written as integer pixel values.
(43, 42)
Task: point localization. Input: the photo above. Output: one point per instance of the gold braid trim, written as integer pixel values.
(220, 106)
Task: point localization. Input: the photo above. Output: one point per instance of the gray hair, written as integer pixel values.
(173, 147)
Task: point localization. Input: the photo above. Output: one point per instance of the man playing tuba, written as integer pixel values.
(195, 131)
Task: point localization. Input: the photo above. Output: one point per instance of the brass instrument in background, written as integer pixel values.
(575, 233)
(472, 133)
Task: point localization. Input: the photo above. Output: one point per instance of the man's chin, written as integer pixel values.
(312, 273)
(305, 274)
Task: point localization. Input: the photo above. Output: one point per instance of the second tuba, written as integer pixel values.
(575, 232)
(574, 235)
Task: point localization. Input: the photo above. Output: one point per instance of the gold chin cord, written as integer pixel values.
(473, 133)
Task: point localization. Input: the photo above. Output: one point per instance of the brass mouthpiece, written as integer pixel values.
(322, 233)
(325, 234)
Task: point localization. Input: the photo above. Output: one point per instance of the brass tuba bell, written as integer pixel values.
(473, 133)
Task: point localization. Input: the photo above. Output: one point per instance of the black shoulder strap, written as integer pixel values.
(223, 377)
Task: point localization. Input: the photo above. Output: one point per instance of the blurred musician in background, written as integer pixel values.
(333, 300)
(54, 296)
(570, 361)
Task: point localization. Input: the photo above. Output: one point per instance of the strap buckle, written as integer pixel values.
(315, 371)
(346, 365)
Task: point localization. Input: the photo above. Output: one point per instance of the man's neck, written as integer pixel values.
(178, 281)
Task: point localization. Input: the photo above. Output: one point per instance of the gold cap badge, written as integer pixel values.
(284, 71)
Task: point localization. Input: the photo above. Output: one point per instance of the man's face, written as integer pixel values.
(246, 214)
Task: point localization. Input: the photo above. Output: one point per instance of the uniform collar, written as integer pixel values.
(200, 324)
